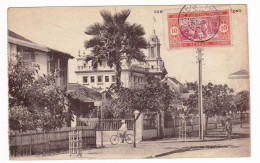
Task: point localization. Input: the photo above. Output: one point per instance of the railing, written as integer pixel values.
(91, 123)
(137, 68)
(84, 68)
(114, 124)
(149, 123)
(190, 121)
(105, 124)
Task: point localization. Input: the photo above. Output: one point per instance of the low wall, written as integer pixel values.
(106, 136)
(149, 134)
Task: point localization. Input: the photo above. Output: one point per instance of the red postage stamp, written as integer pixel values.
(198, 28)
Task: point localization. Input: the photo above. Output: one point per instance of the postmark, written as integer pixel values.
(199, 27)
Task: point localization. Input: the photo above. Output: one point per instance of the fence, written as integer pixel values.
(190, 121)
(170, 123)
(114, 124)
(32, 143)
(149, 123)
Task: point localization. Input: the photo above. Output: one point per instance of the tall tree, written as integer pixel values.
(218, 100)
(114, 40)
(242, 103)
(155, 96)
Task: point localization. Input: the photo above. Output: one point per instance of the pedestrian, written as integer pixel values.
(228, 127)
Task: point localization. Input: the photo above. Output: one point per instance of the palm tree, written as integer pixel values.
(114, 40)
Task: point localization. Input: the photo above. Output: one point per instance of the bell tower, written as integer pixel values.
(154, 47)
(154, 60)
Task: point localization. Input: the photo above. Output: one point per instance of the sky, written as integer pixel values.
(63, 28)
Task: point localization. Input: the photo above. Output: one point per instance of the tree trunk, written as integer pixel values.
(206, 124)
(118, 75)
(241, 119)
(134, 144)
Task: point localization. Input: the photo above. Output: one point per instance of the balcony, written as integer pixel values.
(90, 68)
(138, 68)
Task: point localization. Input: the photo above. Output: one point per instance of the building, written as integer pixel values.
(174, 84)
(132, 74)
(49, 60)
(239, 80)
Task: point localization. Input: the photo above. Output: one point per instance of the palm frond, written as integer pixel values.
(94, 42)
(107, 17)
(120, 17)
(94, 29)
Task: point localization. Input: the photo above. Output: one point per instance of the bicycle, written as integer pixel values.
(114, 139)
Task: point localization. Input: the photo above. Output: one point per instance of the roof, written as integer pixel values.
(175, 80)
(83, 93)
(15, 35)
(20, 40)
(241, 72)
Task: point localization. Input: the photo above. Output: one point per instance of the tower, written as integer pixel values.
(154, 60)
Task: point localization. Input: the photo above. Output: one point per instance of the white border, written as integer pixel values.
(254, 53)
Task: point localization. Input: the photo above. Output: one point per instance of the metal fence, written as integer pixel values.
(149, 123)
(33, 143)
(172, 123)
(106, 124)
(114, 124)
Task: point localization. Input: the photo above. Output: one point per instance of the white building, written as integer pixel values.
(239, 80)
(48, 59)
(132, 74)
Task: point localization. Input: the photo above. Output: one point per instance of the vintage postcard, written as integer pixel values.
(128, 82)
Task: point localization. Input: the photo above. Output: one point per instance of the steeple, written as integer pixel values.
(154, 46)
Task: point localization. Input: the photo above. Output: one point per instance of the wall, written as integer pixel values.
(102, 85)
(41, 58)
(149, 134)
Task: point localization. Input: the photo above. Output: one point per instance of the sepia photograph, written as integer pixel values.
(128, 82)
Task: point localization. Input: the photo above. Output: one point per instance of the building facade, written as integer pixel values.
(48, 59)
(239, 80)
(133, 74)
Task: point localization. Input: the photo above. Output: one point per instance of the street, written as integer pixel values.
(214, 145)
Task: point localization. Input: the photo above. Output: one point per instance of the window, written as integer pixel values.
(106, 78)
(152, 52)
(85, 79)
(99, 79)
(113, 78)
(92, 79)
(152, 67)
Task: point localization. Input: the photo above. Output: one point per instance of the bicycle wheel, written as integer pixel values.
(114, 139)
(129, 138)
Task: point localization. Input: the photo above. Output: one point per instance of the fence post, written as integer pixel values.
(139, 126)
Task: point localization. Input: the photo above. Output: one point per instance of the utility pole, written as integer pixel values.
(200, 104)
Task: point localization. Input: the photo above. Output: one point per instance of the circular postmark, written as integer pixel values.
(199, 23)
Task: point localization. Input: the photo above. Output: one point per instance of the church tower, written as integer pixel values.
(154, 60)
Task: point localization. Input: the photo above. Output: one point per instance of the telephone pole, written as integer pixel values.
(200, 104)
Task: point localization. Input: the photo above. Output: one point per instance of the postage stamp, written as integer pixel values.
(193, 27)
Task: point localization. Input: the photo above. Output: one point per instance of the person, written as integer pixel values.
(122, 130)
(228, 127)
